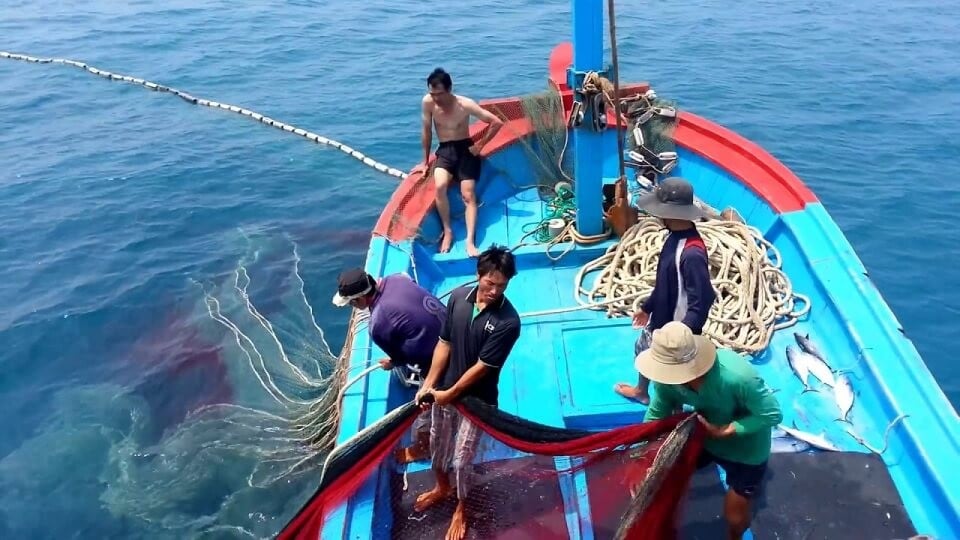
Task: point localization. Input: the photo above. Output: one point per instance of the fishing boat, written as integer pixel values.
(881, 468)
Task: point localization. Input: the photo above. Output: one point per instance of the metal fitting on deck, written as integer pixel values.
(590, 96)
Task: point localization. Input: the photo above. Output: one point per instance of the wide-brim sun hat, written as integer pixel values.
(676, 355)
(671, 199)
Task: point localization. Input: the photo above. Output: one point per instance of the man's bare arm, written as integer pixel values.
(493, 121)
(426, 130)
(468, 379)
(441, 355)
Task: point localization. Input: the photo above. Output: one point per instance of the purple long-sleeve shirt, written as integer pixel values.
(405, 321)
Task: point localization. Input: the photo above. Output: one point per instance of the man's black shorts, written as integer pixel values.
(455, 158)
(742, 478)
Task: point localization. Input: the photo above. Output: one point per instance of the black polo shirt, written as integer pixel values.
(487, 337)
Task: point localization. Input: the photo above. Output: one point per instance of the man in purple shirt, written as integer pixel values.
(405, 322)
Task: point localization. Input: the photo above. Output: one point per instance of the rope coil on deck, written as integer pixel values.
(754, 296)
(560, 208)
(309, 135)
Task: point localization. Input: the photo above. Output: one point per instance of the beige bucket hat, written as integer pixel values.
(676, 355)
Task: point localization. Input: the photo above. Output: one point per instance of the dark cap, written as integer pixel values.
(352, 284)
(671, 199)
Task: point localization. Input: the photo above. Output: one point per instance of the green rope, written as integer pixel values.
(562, 206)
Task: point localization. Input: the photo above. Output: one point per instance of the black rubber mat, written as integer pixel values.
(807, 496)
(830, 495)
(702, 511)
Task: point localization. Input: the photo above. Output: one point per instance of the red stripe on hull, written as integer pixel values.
(762, 173)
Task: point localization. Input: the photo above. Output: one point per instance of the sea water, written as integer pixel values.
(133, 225)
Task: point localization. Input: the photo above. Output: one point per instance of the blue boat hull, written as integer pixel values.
(564, 366)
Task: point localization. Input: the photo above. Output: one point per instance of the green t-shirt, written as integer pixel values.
(732, 392)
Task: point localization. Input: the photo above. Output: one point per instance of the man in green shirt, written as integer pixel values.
(732, 402)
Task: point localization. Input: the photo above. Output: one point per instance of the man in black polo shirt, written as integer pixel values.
(480, 330)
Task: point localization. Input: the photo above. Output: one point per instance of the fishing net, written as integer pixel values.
(545, 146)
(289, 383)
(526, 480)
(650, 147)
(657, 128)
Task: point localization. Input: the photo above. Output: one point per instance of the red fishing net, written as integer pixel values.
(524, 481)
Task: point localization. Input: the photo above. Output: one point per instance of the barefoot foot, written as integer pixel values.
(446, 241)
(430, 498)
(632, 392)
(458, 525)
(472, 250)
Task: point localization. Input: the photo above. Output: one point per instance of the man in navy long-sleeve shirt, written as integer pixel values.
(682, 290)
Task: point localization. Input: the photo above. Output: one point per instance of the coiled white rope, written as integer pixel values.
(263, 119)
(754, 296)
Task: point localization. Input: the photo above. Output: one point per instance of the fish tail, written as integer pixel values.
(844, 420)
(849, 372)
(808, 389)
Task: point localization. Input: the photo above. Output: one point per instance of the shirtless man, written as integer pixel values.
(458, 158)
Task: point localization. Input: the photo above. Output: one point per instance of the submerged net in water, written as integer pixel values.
(525, 480)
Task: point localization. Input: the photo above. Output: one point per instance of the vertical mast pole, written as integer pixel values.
(587, 141)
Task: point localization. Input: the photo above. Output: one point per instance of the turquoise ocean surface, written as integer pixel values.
(141, 235)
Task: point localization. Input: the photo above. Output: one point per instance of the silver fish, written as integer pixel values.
(844, 396)
(820, 369)
(800, 366)
(785, 444)
(817, 441)
(807, 346)
(804, 364)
